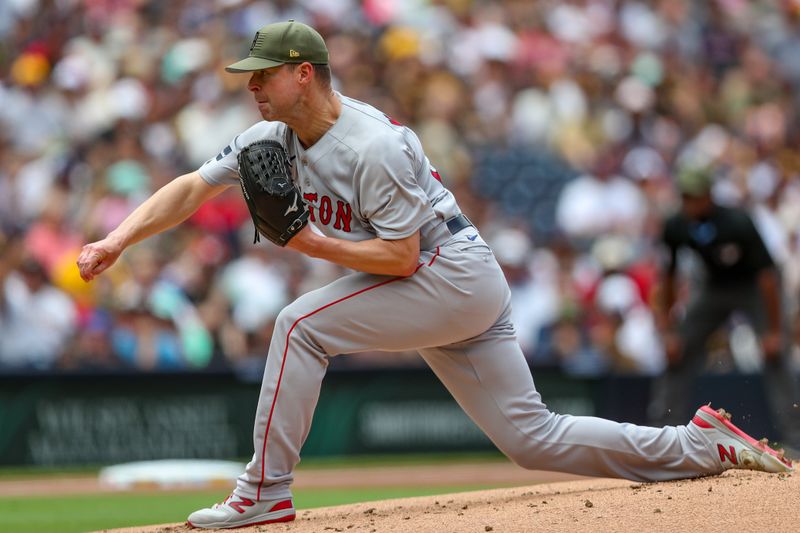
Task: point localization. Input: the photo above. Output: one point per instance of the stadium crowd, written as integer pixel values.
(560, 126)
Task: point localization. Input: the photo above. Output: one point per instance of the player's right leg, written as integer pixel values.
(490, 379)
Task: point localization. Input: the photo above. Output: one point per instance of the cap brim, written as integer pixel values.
(250, 64)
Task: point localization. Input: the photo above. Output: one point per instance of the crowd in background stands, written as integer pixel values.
(558, 125)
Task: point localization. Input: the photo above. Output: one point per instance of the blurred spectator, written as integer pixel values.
(531, 276)
(568, 118)
(157, 326)
(50, 238)
(578, 355)
(620, 298)
(91, 348)
(256, 290)
(600, 203)
(37, 320)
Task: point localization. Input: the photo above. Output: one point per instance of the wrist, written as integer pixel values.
(117, 240)
(314, 245)
(306, 242)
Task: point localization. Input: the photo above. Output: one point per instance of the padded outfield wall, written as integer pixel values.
(93, 419)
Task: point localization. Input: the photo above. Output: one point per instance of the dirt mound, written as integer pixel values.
(743, 501)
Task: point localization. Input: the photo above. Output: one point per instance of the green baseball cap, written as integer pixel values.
(694, 181)
(283, 42)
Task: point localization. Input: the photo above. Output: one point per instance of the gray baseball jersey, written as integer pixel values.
(367, 177)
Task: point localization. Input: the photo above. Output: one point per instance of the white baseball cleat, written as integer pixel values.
(236, 511)
(736, 448)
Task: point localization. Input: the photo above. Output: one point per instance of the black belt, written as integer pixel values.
(457, 223)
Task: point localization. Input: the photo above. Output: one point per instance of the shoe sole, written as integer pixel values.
(708, 417)
(223, 525)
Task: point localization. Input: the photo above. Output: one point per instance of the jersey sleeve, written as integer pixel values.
(757, 255)
(390, 197)
(223, 169)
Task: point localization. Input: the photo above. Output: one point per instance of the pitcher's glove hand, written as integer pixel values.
(272, 197)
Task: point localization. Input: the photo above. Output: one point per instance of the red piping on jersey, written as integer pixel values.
(286, 349)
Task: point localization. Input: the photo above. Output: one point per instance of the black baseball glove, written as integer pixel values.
(272, 197)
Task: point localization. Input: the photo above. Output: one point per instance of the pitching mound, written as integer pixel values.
(734, 501)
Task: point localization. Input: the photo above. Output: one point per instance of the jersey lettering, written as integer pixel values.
(325, 210)
(344, 214)
(436, 175)
(311, 199)
(322, 211)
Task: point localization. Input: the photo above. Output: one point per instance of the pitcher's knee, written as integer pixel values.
(530, 450)
(286, 320)
(294, 323)
(527, 458)
(292, 317)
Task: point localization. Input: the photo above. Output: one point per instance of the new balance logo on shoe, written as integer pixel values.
(729, 454)
(240, 505)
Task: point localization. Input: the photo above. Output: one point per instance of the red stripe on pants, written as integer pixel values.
(283, 363)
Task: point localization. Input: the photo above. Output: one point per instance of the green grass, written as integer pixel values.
(315, 463)
(93, 512)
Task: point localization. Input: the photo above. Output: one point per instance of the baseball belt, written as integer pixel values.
(457, 223)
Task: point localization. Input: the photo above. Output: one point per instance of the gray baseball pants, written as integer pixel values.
(455, 311)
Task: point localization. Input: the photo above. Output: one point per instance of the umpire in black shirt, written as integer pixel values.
(740, 276)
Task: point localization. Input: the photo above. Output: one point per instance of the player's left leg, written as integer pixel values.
(490, 379)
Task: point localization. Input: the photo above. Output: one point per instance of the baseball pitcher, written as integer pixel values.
(424, 280)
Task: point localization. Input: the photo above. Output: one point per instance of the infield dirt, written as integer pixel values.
(735, 501)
